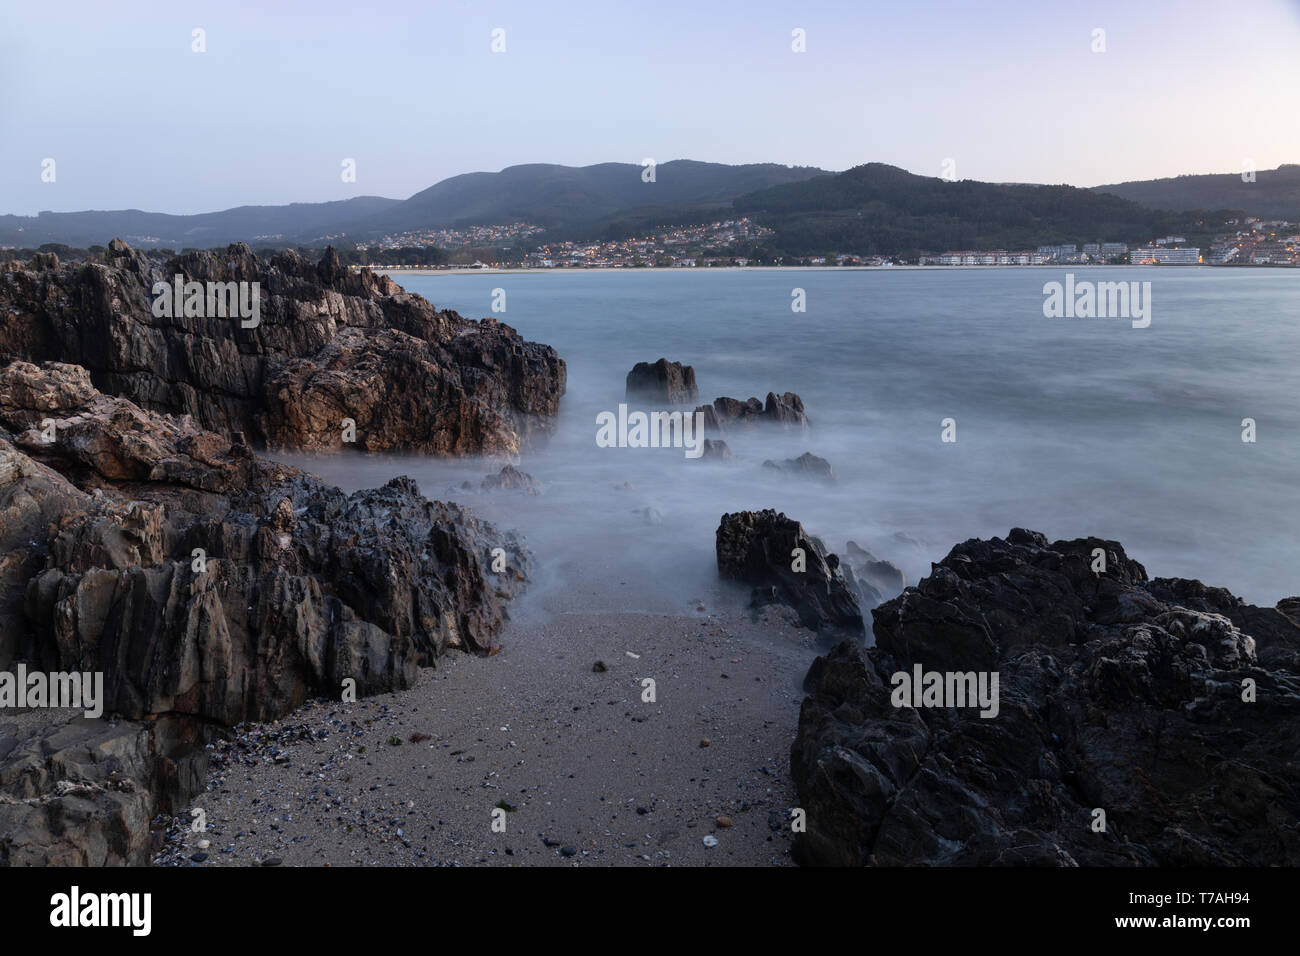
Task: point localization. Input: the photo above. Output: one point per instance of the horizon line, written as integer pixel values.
(488, 172)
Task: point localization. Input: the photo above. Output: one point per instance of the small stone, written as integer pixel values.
(198, 857)
(204, 844)
(723, 822)
(568, 851)
(705, 742)
(710, 840)
(272, 861)
(598, 667)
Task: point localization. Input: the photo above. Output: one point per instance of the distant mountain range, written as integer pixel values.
(564, 200)
(297, 221)
(869, 209)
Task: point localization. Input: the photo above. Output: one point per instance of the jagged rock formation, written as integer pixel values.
(806, 465)
(730, 413)
(662, 382)
(209, 587)
(300, 587)
(758, 548)
(1172, 707)
(331, 345)
(79, 792)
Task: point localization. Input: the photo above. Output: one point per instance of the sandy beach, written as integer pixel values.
(588, 773)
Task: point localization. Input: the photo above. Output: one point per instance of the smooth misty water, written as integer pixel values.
(1069, 427)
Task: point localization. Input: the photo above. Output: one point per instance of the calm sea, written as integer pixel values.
(1071, 427)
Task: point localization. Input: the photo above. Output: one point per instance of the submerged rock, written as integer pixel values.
(649, 515)
(1138, 722)
(663, 382)
(806, 465)
(877, 580)
(716, 450)
(511, 478)
(759, 548)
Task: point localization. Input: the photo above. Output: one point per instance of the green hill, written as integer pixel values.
(877, 209)
(1275, 193)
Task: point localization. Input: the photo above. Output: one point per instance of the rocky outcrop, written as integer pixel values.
(726, 414)
(806, 465)
(81, 792)
(785, 565)
(205, 581)
(511, 478)
(208, 586)
(1139, 722)
(337, 359)
(662, 382)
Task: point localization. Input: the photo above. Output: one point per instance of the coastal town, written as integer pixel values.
(733, 243)
(1254, 242)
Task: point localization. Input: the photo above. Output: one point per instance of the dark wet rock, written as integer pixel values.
(806, 465)
(729, 414)
(330, 345)
(662, 382)
(877, 580)
(511, 478)
(785, 409)
(758, 548)
(716, 450)
(1116, 693)
(710, 424)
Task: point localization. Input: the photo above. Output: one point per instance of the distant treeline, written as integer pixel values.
(883, 210)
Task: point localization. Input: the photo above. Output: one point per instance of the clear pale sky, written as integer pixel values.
(1010, 90)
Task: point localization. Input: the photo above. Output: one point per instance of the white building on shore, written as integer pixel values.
(1165, 255)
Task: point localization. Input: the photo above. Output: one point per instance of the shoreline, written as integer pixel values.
(587, 772)
(466, 270)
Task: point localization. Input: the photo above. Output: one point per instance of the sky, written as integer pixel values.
(284, 91)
